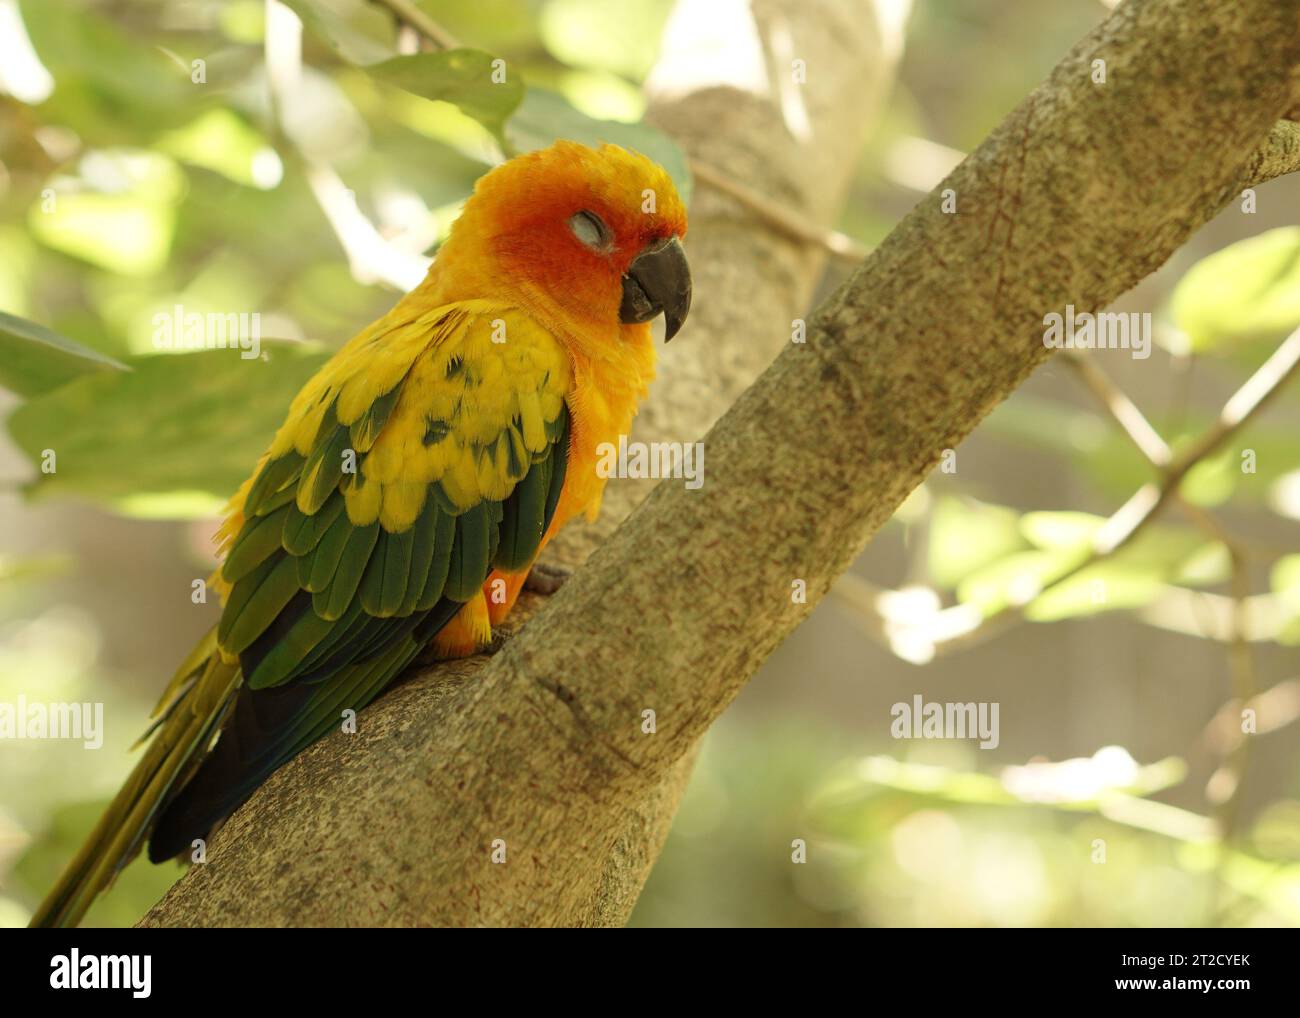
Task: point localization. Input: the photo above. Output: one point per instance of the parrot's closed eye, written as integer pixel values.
(376, 530)
(588, 228)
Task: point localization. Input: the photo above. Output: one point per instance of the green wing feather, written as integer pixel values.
(421, 455)
(401, 506)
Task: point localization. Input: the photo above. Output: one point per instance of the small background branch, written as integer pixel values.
(542, 748)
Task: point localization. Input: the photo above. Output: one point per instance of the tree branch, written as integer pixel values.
(1082, 191)
(751, 280)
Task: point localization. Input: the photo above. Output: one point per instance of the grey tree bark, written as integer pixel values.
(1082, 190)
(335, 837)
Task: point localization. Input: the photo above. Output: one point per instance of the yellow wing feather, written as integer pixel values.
(479, 384)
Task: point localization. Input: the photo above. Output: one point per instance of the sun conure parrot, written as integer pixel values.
(412, 486)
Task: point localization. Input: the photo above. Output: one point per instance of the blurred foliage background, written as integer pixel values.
(146, 163)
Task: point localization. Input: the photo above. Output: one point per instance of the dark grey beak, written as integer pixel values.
(658, 281)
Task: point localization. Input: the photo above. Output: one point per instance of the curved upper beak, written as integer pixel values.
(658, 280)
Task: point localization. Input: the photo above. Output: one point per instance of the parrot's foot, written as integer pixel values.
(546, 579)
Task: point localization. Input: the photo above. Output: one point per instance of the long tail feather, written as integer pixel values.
(181, 738)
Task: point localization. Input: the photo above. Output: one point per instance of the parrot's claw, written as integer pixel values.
(546, 579)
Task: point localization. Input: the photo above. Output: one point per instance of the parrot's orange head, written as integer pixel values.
(589, 236)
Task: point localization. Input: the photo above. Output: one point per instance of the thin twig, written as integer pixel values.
(1129, 520)
(410, 14)
(1125, 412)
(1142, 507)
(1158, 454)
(1225, 785)
(1275, 708)
(779, 216)
(1263, 614)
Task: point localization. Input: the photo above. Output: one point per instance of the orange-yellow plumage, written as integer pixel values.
(413, 483)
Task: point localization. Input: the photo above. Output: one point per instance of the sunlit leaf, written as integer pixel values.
(170, 505)
(1165, 547)
(1248, 290)
(18, 255)
(1016, 579)
(243, 20)
(467, 78)
(1212, 481)
(1160, 546)
(115, 232)
(183, 423)
(1131, 578)
(223, 142)
(126, 225)
(1108, 586)
(621, 38)
(1284, 580)
(1059, 529)
(603, 96)
(498, 25)
(34, 359)
(1208, 565)
(966, 535)
(1288, 635)
(1082, 783)
(20, 570)
(1096, 448)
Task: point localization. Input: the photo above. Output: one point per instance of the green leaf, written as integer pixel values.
(1015, 580)
(1248, 290)
(35, 568)
(966, 535)
(178, 425)
(1049, 530)
(1108, 586)
(1206, 566)
(127, 230)
(1160, 547)
(463, 77)
(361, 33)
(622, 39)
(1165, 548)
(1078, 784)
(1095, 448)
(1131, 578)
(544, 117)
(224, 143)
(34, 359)
(113, 85)
(1212, 481)
(1284, 580)
(498, 25)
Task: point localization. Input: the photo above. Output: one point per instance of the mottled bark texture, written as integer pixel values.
(395, 824)
(1082, 191)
